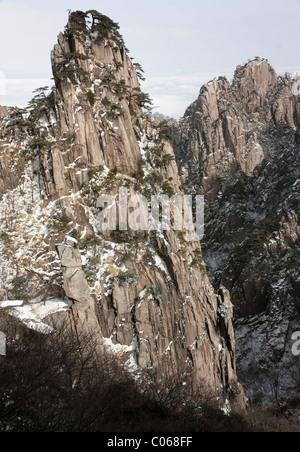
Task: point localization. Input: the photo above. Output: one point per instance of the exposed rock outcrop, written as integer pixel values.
(236, 145)
(144, 295)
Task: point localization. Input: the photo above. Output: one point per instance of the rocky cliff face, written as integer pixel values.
(145, 295)
(236, 145)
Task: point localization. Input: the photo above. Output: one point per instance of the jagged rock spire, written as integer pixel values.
(144, 295)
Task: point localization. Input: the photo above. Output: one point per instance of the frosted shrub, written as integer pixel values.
(128, 278)
(235, 388)
(225, 310)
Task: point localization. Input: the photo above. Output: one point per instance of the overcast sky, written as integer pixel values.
(181, 44)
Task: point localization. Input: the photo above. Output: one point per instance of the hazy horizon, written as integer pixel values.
(180, 45)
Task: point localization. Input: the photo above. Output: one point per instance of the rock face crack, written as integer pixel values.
(238, 145)
(107, 274)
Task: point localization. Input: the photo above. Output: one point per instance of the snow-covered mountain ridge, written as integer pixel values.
(238, 144)
(144, 295)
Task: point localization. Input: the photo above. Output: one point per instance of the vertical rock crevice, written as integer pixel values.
(149, 307)
(237, 144)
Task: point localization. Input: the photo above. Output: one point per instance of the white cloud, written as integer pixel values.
(2, 83)
(26, 39)
(172, 95)
(18, 92)
(164, 36)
